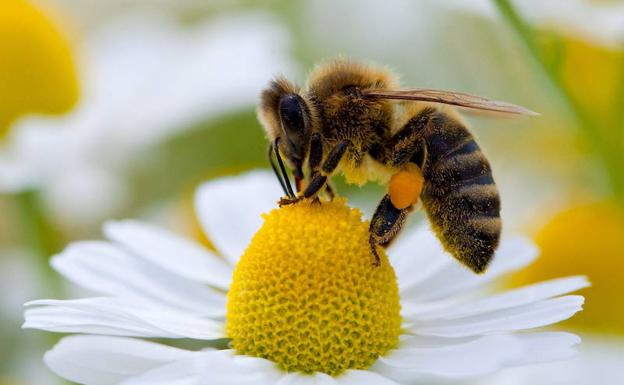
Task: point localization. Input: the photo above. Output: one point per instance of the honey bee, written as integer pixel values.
(354, 119)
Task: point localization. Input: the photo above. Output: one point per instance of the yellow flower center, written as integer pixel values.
(307, 296)
(37, 70)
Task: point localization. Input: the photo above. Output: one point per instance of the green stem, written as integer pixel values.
(608, 151)
(39, 238)
(618, 117)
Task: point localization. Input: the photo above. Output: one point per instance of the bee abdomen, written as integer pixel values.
(463, 204)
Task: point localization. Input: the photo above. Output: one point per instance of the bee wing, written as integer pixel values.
(453, 98)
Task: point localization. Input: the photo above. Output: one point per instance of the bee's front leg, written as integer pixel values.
(315, 157)
(319, 178)
(329, 190)
(285, 201)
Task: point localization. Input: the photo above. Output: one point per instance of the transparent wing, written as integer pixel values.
(453, 98)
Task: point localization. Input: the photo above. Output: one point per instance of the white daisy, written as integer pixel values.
(304, 295)
(144, 77)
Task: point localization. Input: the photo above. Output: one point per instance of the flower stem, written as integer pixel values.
(607, 150)
(39, 238)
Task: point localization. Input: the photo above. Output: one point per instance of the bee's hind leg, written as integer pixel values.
(385, 225)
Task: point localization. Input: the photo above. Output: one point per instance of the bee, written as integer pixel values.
(354, 119)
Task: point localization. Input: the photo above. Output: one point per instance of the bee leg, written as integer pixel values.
(316, 153)
(329, 190)
(314, 163)
(408, 145)
(319, 180)
(385, 225)
(315, 156)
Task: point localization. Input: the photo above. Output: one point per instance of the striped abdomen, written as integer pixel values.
(459, 196)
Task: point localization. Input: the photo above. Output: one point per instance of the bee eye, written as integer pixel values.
(291, 112)
(295, 123)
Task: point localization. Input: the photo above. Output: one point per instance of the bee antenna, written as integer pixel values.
(282, 175)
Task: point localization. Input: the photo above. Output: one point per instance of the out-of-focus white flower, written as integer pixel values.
(152, 283)
(144, 77)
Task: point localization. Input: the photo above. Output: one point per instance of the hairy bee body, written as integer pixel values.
(459, 195)
(345, 114)
(346, 121)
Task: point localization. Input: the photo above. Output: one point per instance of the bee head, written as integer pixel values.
(287, 115)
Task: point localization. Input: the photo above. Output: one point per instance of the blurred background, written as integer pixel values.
(120, 108)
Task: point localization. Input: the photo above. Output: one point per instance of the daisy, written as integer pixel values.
(299, 302)
(37, 69)
(144, 77)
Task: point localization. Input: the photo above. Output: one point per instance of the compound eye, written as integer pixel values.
(294, 117)
(292, 112)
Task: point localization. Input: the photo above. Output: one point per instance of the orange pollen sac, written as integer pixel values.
(405, 187)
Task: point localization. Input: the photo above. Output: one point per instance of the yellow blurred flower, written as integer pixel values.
(37, 69)
(184, 218)
(585, 239)
(592, 73)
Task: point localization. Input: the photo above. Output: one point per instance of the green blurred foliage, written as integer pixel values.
(590, 82)
(213, 148)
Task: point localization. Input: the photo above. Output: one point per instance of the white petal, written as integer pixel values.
(118, 317)
(513, 253)
(185, 372)
(546, 346)
(363, 377)
(179, 255)
(66, 320)
(416, 255)
(509, 299)
(306, 379)
(224, 367)
(476, 357)
(423, 358)
(528, 316)
(208, 367)
(108, 269)
(599, 361)
(99, 360)
(229, 209)
(419, 342)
